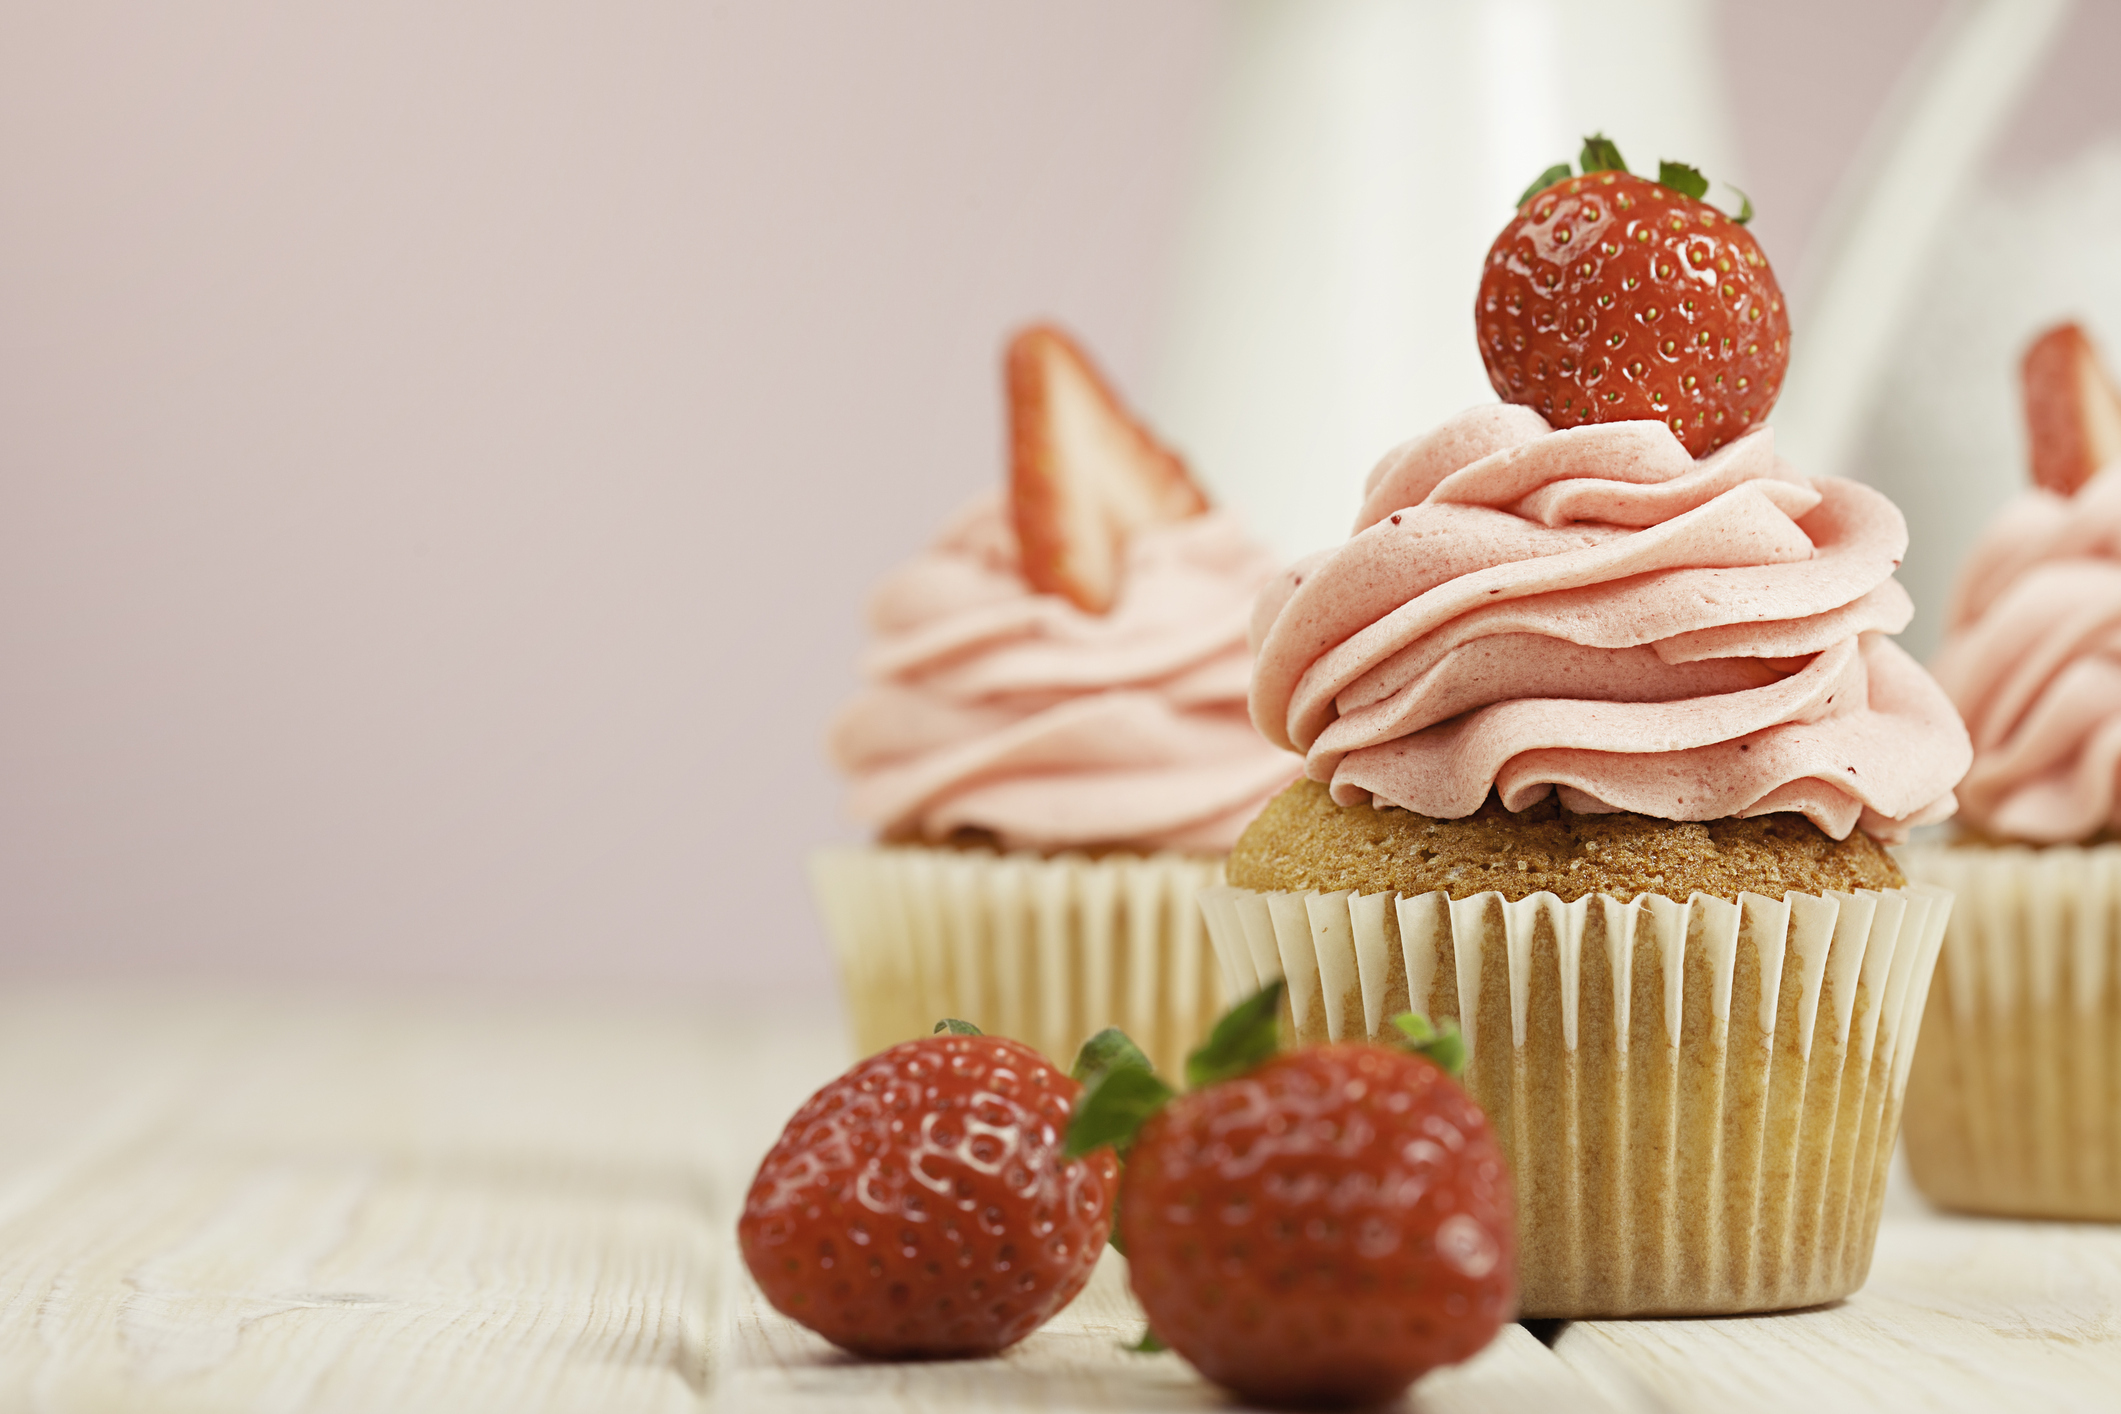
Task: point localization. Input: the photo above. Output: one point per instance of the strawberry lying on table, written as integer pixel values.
(1320, 1227)
(919, 1205)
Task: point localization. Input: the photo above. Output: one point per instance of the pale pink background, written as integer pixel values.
(445, 446)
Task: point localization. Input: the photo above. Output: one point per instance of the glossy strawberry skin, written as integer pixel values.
(918, 1205)
(1324, 1229)
(1610, 298)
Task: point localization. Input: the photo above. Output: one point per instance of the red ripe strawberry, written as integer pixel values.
(1612, 297)
(919, 1206)
(1084, 474)
(1320, 1227)
(1327, 1228)
(2072, 410)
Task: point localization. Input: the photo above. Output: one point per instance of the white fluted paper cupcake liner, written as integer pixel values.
(1046, 950)
(1698, 1099)
(2014, 1106)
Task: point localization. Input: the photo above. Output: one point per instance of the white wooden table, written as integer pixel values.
(248, 1202)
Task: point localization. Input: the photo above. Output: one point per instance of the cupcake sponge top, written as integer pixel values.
(1302, 840)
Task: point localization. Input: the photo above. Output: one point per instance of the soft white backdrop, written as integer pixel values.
(442, 449)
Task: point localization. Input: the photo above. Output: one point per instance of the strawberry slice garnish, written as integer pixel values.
(2072, 409)
(1086, 475)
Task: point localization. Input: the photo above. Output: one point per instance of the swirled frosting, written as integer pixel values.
(2032, 657)
(990, 706)
(1593, 611)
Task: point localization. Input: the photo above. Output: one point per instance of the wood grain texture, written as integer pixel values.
(1959, 1314)
(233, 1204)
(1076, 1362)
(241, 1203)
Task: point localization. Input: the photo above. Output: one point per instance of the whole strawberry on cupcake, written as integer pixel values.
(1052, 741)
(1604, 735)
(2014, 1106)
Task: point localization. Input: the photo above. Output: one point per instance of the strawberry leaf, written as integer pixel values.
(1600, 154)
(1121, 1109)
(956, 1028)
(1685, 180)
(1439, 1041)
(1745, 206)
(1245, 1039)
(1559, 172)
(1147, 1345)
(1107, 1050)
(1113, 1109)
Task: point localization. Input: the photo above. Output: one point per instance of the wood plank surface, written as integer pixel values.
(243, 1204)
(235, 1202)
(1959, 1314)
(1077, 1362)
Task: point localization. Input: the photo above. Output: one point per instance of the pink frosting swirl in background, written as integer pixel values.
(992, 706)
(1595, 612)
(2032, 657)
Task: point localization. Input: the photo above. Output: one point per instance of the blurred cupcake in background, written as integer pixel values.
(2014, 1105)
(1052, 742)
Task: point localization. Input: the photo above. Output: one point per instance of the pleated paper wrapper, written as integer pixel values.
(1698, 1100)
(2014, 1106)
(1048, 950)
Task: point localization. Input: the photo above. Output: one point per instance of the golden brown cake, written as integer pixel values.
(1302, 840)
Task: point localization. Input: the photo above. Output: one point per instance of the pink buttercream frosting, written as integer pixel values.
(2032, 657)
(989, 705)
(1593, 611)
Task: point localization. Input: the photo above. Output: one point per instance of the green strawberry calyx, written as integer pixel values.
(1121, 1088)
(1122, 1091)
(1440, 1041)
(950, 1025)
(1246, 1038)
(1601, 154)
(1685, 180)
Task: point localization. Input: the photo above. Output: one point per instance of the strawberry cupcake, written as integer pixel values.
(2015, 1105)
(1603, 737)
(1052, 743)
